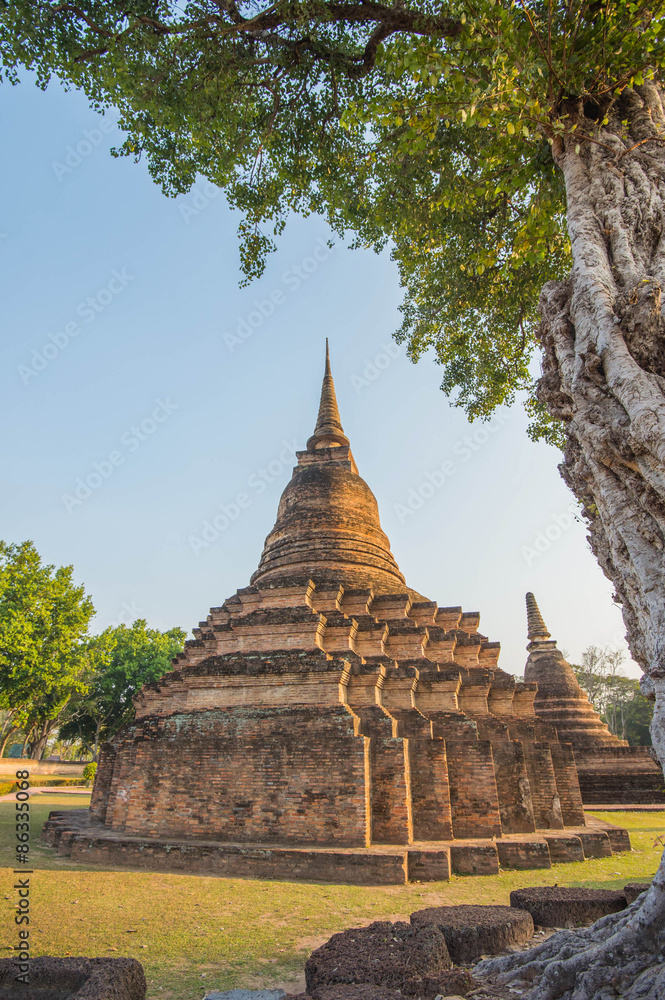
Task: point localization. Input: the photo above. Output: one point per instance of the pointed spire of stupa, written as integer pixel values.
(328, 432)
(536, 628)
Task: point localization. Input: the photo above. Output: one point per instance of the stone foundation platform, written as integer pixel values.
(73, 833)
(620, 775)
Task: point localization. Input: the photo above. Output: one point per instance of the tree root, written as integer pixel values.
(608, 960)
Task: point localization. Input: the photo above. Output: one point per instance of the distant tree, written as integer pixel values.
(616, 697)
(8, 729)
(119, 662)
(44, 616)
(637, 712)
(596, 674)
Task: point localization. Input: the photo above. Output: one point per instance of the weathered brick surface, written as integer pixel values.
(473, 796)
(241, 861)
(428, 866)
(474, 859)
(618, 774)
(596, 844)
(513, 788)
(387, 786)
(261, 775)
(430, 792)
(542, 782)
(328, 527)
(563, 849)
(523, 855)
(618, 838)
(103, 778)
(567, 785)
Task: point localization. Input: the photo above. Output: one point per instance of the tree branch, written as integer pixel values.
(263, 26)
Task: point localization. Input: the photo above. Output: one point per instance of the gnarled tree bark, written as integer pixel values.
(603, 337)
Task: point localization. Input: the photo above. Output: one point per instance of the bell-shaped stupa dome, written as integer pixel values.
(328, 527)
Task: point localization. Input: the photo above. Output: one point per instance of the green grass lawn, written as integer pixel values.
(195, 933)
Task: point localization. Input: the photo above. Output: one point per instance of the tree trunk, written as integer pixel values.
(42, 733)
(603, 338)
(6, 738)
(25, 742)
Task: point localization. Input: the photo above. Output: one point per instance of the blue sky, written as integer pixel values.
(144, 391)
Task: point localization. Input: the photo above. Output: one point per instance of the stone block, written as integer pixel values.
(70, 978)
(619, 839)
(472, 931)
(428, 866)
(246, 861)
(596, 844)
(564, 849)
(514, 791)
(523, 854)
(386, 954)
(473, 796)
(474, 859)
(554, 906)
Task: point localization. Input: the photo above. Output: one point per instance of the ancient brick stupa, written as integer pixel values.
(330, 722)
(609, 770)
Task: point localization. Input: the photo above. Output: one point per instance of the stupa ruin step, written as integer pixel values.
(330, 722)
(74, 833)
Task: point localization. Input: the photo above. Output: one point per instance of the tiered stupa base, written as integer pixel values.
(86, 841)
(334, 735)
(619, 775)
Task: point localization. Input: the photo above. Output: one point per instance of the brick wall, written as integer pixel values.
(325, 773)
(565, 772)
(514, 791)
(473, 796)
(388, 791)
(544, 794)
(431, 818)
(103, 778)
(619, 774)
(260, 775)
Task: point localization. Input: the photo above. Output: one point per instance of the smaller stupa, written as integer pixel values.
(610, 771)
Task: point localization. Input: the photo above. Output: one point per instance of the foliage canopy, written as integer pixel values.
(43, 618)
(118, 662)
(427, 125)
